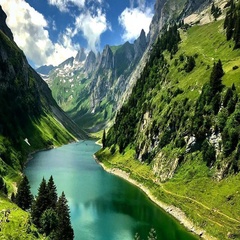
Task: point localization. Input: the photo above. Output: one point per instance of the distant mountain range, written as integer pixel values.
(92, 87)
(45, 69)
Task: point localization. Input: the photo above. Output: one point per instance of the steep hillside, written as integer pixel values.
(178, 134)
(30, 120)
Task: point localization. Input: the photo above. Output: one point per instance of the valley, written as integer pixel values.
(165, 109)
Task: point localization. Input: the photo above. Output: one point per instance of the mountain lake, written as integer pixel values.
(102, 206)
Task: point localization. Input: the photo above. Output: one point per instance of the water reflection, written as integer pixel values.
(103, 206)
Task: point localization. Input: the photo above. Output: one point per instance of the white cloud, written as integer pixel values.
(29, 30)
(133, 20)
(63, 5)
(92, 26)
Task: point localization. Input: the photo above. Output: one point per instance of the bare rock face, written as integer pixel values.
(167, 11)
(106, 61)
(81, 55)
(68, 62)
(140, 45)
(157, 21)
(90, 63)
(3, 26)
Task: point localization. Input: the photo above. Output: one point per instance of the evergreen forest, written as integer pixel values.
(179, 131)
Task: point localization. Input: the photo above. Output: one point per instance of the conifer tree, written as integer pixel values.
(13, 197)
(236, 34)
(52, 193)
(24, 197)
(215, 11)
(41, 203)
(64, 228)
(231, 23)
(49, 222)
(104, 139)
(216, 77)
(2, 184)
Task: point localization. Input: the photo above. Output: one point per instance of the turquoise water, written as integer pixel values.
(103, 206)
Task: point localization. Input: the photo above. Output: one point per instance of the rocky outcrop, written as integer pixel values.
(158, 20)
(45, 69)
(103, 77)
(68, 62)
(106, 60)
(81, 55)
(140, 45)
(90, 63)
(167, 11)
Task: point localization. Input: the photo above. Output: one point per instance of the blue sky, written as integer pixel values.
(50, 31)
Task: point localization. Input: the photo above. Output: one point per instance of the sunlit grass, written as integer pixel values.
(211, 204)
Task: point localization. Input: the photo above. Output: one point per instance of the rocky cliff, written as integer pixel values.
(90, 86)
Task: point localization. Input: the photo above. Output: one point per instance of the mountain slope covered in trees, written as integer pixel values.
(92, 88)
(30, 120)
(178, 134)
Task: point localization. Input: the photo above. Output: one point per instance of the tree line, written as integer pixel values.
(124, 131)
(49, 213)
(232, 22)
(216, 110)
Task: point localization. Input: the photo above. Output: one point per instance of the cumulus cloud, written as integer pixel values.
(63, 5)
(92, 26)
(134, 19)
(29, 30)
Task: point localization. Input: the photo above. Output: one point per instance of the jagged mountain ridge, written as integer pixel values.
(107, 79)
(92, 84)
(93, 91)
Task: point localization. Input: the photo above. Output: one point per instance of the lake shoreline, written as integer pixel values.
(30, 155)
(172, 210)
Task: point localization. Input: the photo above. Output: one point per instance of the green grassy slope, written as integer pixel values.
(27, 124)
(16, 224)
(210, 203)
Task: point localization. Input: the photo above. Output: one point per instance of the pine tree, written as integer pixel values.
(64, 229)
(49, 222)
(24, 197)
(231, 23)
(236, 34)
(52, 193)
(104, 139)
(41, 203)
(213, 8)
(216, 77)
(13, 197)
(229, 20)
(208, 153)
(1, 183)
